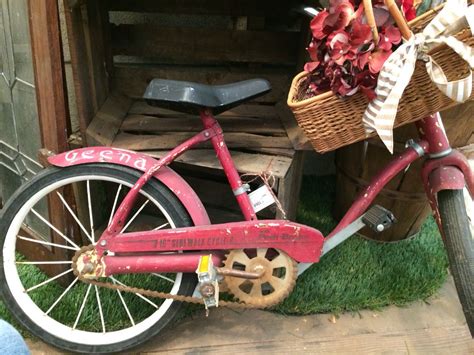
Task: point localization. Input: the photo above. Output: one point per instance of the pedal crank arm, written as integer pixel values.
(240, 273)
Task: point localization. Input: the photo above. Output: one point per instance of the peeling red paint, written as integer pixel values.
(300, 242)
(171, 263)
(141, 162)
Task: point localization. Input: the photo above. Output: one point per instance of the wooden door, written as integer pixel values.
(33, 110)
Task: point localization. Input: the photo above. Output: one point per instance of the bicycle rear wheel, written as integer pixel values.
(59, 308)
(457, 218)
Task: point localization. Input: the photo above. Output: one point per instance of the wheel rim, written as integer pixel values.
(47, 322)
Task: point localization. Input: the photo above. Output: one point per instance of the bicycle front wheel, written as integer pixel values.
(457, 218)
(56, 306)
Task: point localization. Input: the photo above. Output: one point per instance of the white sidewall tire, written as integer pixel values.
(90, 341)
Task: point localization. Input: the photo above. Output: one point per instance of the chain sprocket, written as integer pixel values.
(180, 298)
(278, 279)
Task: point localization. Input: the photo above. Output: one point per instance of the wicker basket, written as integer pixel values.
(331, 122)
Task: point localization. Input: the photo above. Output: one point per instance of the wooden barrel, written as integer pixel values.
(404, 195)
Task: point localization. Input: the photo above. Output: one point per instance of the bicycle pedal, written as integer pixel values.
(208, 285)
(378, 218)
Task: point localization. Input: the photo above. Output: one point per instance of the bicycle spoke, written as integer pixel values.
(163, 277)
(74, 216)
(125, 306)
(84, 301)
(89, 203)
(115, 204)
(102, 322)
(54, 228)
(62, 295)
(162, 226)
(48, 281)
(47, 243)
(43, 262)
(134, 216)
(137, 294)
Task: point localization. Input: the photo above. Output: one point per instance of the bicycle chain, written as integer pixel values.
(164, 295)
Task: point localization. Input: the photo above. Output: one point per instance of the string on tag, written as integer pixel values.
(270, 181)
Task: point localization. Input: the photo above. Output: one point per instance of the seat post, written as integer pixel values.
(223, 154)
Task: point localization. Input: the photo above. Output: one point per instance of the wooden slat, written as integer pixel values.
(141, 123)
(99, 51)
(244, 162)
(78, 49)
(272, 151)
(294, 132)
(51, 99)
(208, 7)
(107, 122)
(289, 187)
(182, 45)
(91, 57)
(51, 95)
(172, 139)
(444, 340)
(218, 195)
(468, 151)
(133, 80)
(140, 107)
(458, 123)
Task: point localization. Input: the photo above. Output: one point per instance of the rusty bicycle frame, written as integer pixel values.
(444, 169)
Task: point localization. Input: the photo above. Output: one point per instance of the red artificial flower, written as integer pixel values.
(362, 59)
(360, 34)
(377, 59)
(344, 57)
(341, 13)
(388, 37)
(317, 25)
(313, 50)
(310, 66)
(339, 46)
(367, 82)
(382, 16)
(408, 9)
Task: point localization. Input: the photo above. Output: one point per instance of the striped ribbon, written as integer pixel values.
(398, 69)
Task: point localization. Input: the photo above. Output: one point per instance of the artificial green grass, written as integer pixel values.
(358, 274)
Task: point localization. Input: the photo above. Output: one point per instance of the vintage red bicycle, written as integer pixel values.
(118, 258)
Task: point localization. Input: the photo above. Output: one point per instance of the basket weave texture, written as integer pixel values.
(331, 122)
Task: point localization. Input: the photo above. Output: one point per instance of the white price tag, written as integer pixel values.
(261, 198)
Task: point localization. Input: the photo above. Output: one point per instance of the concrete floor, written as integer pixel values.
(434, 327)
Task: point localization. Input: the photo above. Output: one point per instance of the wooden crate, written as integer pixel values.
(118, 47)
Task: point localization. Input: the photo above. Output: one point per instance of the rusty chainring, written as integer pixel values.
(278, 279)
(243, 304)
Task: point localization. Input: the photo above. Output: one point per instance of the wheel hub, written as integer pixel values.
(88, 264)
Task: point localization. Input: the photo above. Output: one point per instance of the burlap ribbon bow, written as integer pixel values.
(399, 67)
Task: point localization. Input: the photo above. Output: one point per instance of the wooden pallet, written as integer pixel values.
(118, 47)
(256, 136)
